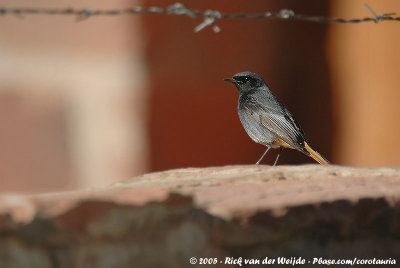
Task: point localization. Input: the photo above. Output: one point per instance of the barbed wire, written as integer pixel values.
(209, 16)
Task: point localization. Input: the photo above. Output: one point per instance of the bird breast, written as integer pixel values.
(254, 128)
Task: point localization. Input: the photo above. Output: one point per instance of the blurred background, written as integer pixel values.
(89, 103)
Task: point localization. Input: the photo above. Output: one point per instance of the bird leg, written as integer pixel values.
(266, 151)
(277, 157)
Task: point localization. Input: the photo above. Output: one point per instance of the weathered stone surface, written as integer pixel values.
(162, 219)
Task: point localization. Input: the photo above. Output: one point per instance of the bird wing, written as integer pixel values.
(277, 120)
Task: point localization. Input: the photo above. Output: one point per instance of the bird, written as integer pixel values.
(266, 119)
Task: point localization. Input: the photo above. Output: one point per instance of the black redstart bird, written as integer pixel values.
(266, 120)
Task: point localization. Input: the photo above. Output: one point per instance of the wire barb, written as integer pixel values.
(210, 17)
(378, 17)
(84, 14)
(179, 9)
(286, 13)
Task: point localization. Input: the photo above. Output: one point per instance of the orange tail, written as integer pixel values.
(316, 156)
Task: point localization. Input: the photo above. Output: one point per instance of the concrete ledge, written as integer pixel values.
(162, 219)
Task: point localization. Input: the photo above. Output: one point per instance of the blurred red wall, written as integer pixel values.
(72, 98)
(193, 113)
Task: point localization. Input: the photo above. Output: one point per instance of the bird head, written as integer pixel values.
(246, 81)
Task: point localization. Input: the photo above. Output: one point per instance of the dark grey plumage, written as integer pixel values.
(266, 120)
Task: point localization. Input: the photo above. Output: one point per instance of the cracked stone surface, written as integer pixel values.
(162, 219)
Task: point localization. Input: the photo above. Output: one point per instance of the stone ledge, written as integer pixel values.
(164, 218)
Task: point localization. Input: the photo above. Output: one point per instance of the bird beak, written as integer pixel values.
(230, 80)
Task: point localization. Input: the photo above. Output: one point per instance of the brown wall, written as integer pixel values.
(365, 75)
(193, 114)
